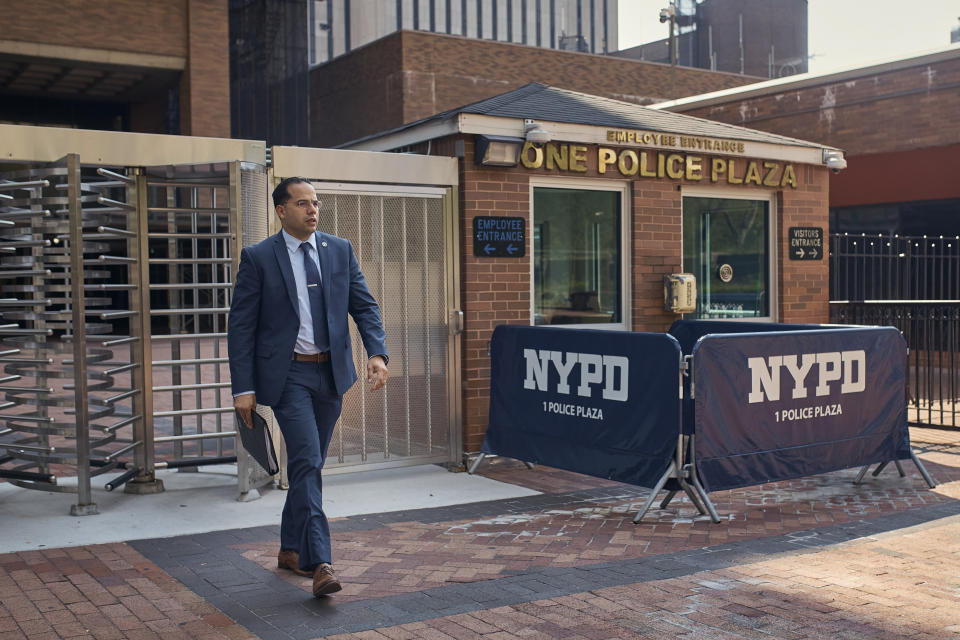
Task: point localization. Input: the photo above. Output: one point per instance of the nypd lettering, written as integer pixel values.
(585, 375)
(846, 367)
(612, 372)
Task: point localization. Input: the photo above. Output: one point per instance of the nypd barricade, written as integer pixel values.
(602, 403)
(765, 402)
(782, 405)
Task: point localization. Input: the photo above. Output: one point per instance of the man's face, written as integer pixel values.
(298, 214)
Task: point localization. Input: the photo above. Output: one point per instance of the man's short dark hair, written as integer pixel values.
(280, 194)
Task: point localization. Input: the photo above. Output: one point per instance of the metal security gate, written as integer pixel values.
(399, 241)
(911, 283)
(398, 211)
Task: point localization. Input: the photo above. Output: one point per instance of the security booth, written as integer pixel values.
(580, 211)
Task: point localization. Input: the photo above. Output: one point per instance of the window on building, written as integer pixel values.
(578, 260)
(726, 245)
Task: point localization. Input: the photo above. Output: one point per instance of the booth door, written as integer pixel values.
(404, 240)
(727, 246)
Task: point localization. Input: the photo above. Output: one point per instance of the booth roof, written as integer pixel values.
(549, 104)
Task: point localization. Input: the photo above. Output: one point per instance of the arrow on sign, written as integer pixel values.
(814, 253)
(801, 252)
(487, 249)
(511, 249)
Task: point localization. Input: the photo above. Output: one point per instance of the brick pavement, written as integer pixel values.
(811, 558)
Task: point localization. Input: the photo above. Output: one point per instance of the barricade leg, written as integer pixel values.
(671, 472)
(882, 465)
(480, 458)
(706, 500)
(666, 501)
(692, 495)
(476, 463)
(922, 470)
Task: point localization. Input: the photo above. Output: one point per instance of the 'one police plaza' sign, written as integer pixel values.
(499, 237)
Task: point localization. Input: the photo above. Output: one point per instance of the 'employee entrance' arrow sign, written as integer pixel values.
(499, 237)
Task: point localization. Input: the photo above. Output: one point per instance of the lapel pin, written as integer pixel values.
(323, 244)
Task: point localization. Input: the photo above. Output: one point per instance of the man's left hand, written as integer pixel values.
(377, 372)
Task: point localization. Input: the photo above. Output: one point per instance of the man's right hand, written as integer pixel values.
(245, 404)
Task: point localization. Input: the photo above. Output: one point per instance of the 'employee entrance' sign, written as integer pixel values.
(806, 243)
(499, 237)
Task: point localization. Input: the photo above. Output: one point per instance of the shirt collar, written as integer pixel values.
(293, 244)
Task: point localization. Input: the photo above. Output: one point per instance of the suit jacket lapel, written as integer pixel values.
(286, 270)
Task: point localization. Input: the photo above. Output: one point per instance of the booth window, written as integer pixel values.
(726, 246)
(577, 257)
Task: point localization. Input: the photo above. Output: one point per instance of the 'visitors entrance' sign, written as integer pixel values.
(806, 243)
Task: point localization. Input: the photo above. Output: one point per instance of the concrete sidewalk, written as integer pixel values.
(816, 557)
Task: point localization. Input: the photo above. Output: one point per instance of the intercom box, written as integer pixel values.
(680, 292)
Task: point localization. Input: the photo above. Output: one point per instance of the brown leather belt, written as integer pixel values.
(311, 357)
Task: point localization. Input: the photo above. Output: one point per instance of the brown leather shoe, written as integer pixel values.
(290, 560)
(324, 581)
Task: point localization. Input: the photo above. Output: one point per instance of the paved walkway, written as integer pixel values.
(812, 558)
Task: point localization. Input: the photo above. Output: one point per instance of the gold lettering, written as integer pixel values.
(660, 160)
(731, 173)
(717, 166)
(578, 158)
(694, 168)
(604, 157)
(789, 177)
(644, 172)
(628, 154)
(557, 157)
(675, 166)
(647, 138)
(525, 160)
(753, 173)
(621, 136)
(611, 135)
(632, 136)
(770, 179)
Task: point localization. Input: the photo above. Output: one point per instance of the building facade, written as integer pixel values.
(411, 75)
(155, 67)
(897, 122)
(599, 200)
(340, 26)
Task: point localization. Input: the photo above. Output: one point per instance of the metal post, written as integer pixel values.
(144, 457)
(85, 505)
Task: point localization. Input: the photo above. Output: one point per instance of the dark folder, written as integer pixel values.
(257, 441)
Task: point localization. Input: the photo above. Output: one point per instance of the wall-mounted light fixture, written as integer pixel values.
(497, 151)
(834, 160)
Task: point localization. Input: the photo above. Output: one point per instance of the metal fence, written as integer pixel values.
(911, 283)
(894, 267)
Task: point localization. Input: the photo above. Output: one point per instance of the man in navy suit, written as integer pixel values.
(290, 349)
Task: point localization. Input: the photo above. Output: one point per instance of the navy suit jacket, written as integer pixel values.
(264, 319)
